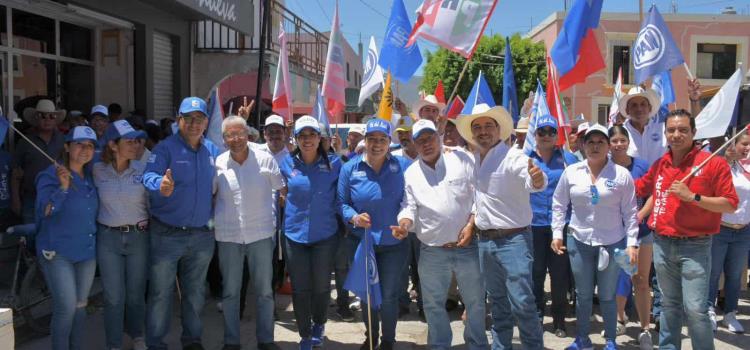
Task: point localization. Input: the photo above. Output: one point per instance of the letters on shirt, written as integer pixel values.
(660, 202)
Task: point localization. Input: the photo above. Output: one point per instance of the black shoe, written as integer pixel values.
(268, 346)
(451, 305)
(403, 310)
(345, 313)
(387, 346)
(366, 344)
(560, 332)
(421, 315)
(193, 346)
(233, 347)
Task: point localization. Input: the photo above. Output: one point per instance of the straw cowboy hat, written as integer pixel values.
(30, 114)
(498, 113)
(522, 126)
(638, 91)
(429, 100)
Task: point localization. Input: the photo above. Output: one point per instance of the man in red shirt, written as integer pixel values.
(684, 217)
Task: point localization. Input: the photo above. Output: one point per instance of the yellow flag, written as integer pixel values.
(385, 110)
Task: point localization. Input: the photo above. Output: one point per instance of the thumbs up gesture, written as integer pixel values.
(167, 184)
(536, 174)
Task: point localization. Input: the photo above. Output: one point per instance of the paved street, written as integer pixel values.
(412, 333)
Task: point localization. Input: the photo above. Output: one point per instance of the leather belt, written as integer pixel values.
(683, 238)
(733, 226)
(497, 233)
(125, 228)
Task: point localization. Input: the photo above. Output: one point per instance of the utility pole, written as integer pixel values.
(265, 7)
(640, 11)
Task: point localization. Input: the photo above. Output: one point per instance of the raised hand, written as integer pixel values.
(63, 175)
(167, 184)
(537, 176)
(245, 109)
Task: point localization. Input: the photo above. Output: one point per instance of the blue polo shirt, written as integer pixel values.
(310, 208)
(70, 228)
(541, 202)
(193, 171)
(362, 190)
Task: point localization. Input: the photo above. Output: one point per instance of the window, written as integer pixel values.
(621, 58)
(33, 32)
(3, 27)
(356, 78)
(716, 61)
(75, 41)
(602, 110)
(347, 72)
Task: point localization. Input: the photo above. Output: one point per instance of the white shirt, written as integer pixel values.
(279, 156)
(244, 199)
(122, 198)
(439, 201)
(742, 186)
(604, 223)
(503, 186)
(650, 145)
(400, 152)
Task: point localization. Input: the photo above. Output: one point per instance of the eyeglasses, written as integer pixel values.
(546, 132)
(235, 136)
(193, 120)
(594, 195)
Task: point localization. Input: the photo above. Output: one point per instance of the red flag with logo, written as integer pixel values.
(556, 106)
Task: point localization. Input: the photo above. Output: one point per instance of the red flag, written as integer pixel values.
(440, 92)
(556, 106)
(334, 79)
(455, 108)
(590, 61)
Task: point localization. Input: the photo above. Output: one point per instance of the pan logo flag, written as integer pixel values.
(654, 50)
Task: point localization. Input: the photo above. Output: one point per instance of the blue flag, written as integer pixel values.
(654, 49)
(402, 61)
(320, 113)
(510, 97)
(363, 274)
(662, 84)
(538, 110)
(3, 129)
(480, 93)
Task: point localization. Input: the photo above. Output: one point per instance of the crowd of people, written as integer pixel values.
(461, 209)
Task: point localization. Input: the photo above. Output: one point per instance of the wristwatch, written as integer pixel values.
(697, 197)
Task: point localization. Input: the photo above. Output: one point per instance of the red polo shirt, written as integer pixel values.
(673, 217)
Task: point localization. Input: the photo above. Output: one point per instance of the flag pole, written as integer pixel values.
(367, 278)
(458, 81)
(687, 69)
(10, 124)
(696, 169)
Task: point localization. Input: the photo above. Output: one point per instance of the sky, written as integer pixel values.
(369, 17)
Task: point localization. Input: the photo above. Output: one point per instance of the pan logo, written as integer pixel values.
(649, 47)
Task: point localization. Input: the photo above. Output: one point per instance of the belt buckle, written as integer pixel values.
(125, 228)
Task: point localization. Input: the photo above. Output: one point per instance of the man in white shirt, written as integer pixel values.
(437, 205)
(245, 225)
(646, 133)
(505, 177)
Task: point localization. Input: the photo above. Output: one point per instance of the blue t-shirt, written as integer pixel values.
(311, 203)
(5, 166)
(541, 202)
(362, 190)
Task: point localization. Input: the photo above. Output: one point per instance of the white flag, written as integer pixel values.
(372, 80)
(282, 89)
(714, 119)
(614, 108)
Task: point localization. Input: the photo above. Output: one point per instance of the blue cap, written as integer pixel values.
(81, 133)
(546, 120)
(99, 109)
(121, 129)
(378, 125)
(193, 104)
(305, 122)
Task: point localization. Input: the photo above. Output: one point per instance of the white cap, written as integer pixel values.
(582, 127)
(304, 122)
(597, 128)
(357, 129)
(99, 109)
(274, 119)
(421, 126)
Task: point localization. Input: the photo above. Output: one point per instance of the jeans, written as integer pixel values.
(682, 268)
(559, 272)
(436, 267)
(232, 257)
(411, 270)
(728, 254)
(391, 260)
(69, 284)
(176, 250)
(344, 256)
(123, 264)
(505, 264)
(583, 262)
(310, 266)
(27, 209)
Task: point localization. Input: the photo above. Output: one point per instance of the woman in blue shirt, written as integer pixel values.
(66, 207)
(370, 190)
(310, 228)
(619, 138)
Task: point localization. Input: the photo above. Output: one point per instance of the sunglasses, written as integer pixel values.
(594, 195)
(546, 132)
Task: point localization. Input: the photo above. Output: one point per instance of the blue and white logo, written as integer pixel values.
(370, 64)
(648, 47)
(610, 184)
(654, 50)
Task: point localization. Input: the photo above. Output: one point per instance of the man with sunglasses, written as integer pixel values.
(552, 160)
(179, 177)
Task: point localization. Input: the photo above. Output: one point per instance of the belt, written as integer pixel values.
(682, 238)
(180, 228)
(733, 226)
(497, 233)
(125, 228)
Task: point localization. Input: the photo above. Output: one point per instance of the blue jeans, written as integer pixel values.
(69, 283)
(344, 256)
(682, 268)
(123, 264)
(391, 260)
(310, 267)
(728, 254)
(411, 270)
(189, 252)
(583, 262)
(506, 265)
(436, 267)
(232, 257)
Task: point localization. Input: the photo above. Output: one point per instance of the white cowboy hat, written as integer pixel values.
(429, 100)
(522, 126)
(498, 113)
(638, 91)
(42, 106)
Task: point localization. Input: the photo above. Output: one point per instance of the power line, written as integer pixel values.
(373, 9)
(324, 11)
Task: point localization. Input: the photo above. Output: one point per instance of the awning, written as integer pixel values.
(236, 14)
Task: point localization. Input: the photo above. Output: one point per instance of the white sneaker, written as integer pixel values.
(712, 316)
(644, 341)
(139, 344)
(730, 321)
(620, 330)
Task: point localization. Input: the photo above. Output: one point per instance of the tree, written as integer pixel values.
(528, 65)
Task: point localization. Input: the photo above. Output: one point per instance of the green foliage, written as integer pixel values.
(528, 66)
